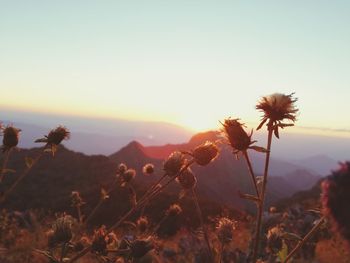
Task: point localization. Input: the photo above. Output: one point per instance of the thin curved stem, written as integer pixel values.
(200, 216)
(262, 196)
(4, 165)
(305, 239)
(251, 172)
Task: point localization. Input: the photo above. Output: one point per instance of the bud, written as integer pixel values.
(11, 137)
(225, 228)
(174, 210)
(335, 200)
(142, 224)
(122, 168)
(61, 231)
(236, 135)
(187, 179)
(76, 199)
(205, 153)
(274, 239)
(128, 175)
(148, 169)
(174, 163)
(99, 243)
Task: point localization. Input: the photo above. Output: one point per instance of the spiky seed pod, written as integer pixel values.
(140, 247)
(174, 163)
(122, 168)
(148, 169)
(57, 135)
(236, 135)
(335, 200)
(61, 231)
(128, 175)
(11, 137)
(205, 153)
(142, 224)
(174, 210)
(187, 179)
(225, 228)
(276, 108)
(76, 199)
(99, 243)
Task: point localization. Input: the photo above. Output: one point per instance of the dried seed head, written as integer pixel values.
(205, 153)
(236, 135)
(61, 231)
(174, 210)
(276, 108)
(76, 199)
(142, 224)
(99, 243)
(187, 179)
(274, 239)
(11, 137)
(335, 200)
(57, 135)
(122, 168)
(225, 228)
(148, 169)
(128, 175)
(141, 247)
(174, 163)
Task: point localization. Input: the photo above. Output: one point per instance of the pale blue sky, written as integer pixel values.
(188, 62)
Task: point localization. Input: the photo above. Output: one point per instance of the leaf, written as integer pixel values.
(261, 124)
(249, 197)
(275, 130)
(259, 149)
(283, 253)
(29, 161)
(41, 140)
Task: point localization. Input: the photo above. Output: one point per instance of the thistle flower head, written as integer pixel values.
(55, 137)
(140, 247)
(187, 179)
(121, 168)
(205, 153)
(335, 200)
(11, 138)
(142, 224)
(148, 169)
(174, 163)
(274, 239)
(99, 242)
(128, 175)
(236, 135)
(225, 228)
(61, 231)
(276, 108)
(76, 199)
(174, 210)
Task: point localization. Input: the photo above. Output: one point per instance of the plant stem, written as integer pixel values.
(200, 216)
(262, 196)
(221, 251)
(131, 211)
(20, 178)
(251, 172)
(305, 239)
(4, 164)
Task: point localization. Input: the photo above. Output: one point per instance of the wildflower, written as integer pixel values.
(238, 138)
(205, 153)
(187, 179)
(99, 243)
(122, 168)
(225, 230)
(61, 231)
(276, 108)
(141, 247)
(11, 138)
(148, 169)
(142, 224)
(335, 199)
(174, 163)
(174, 210)
(76, 199)
(55, 137)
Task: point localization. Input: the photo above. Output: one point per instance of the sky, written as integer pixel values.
(187, 62)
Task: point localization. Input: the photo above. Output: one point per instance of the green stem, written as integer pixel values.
(262, 196)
